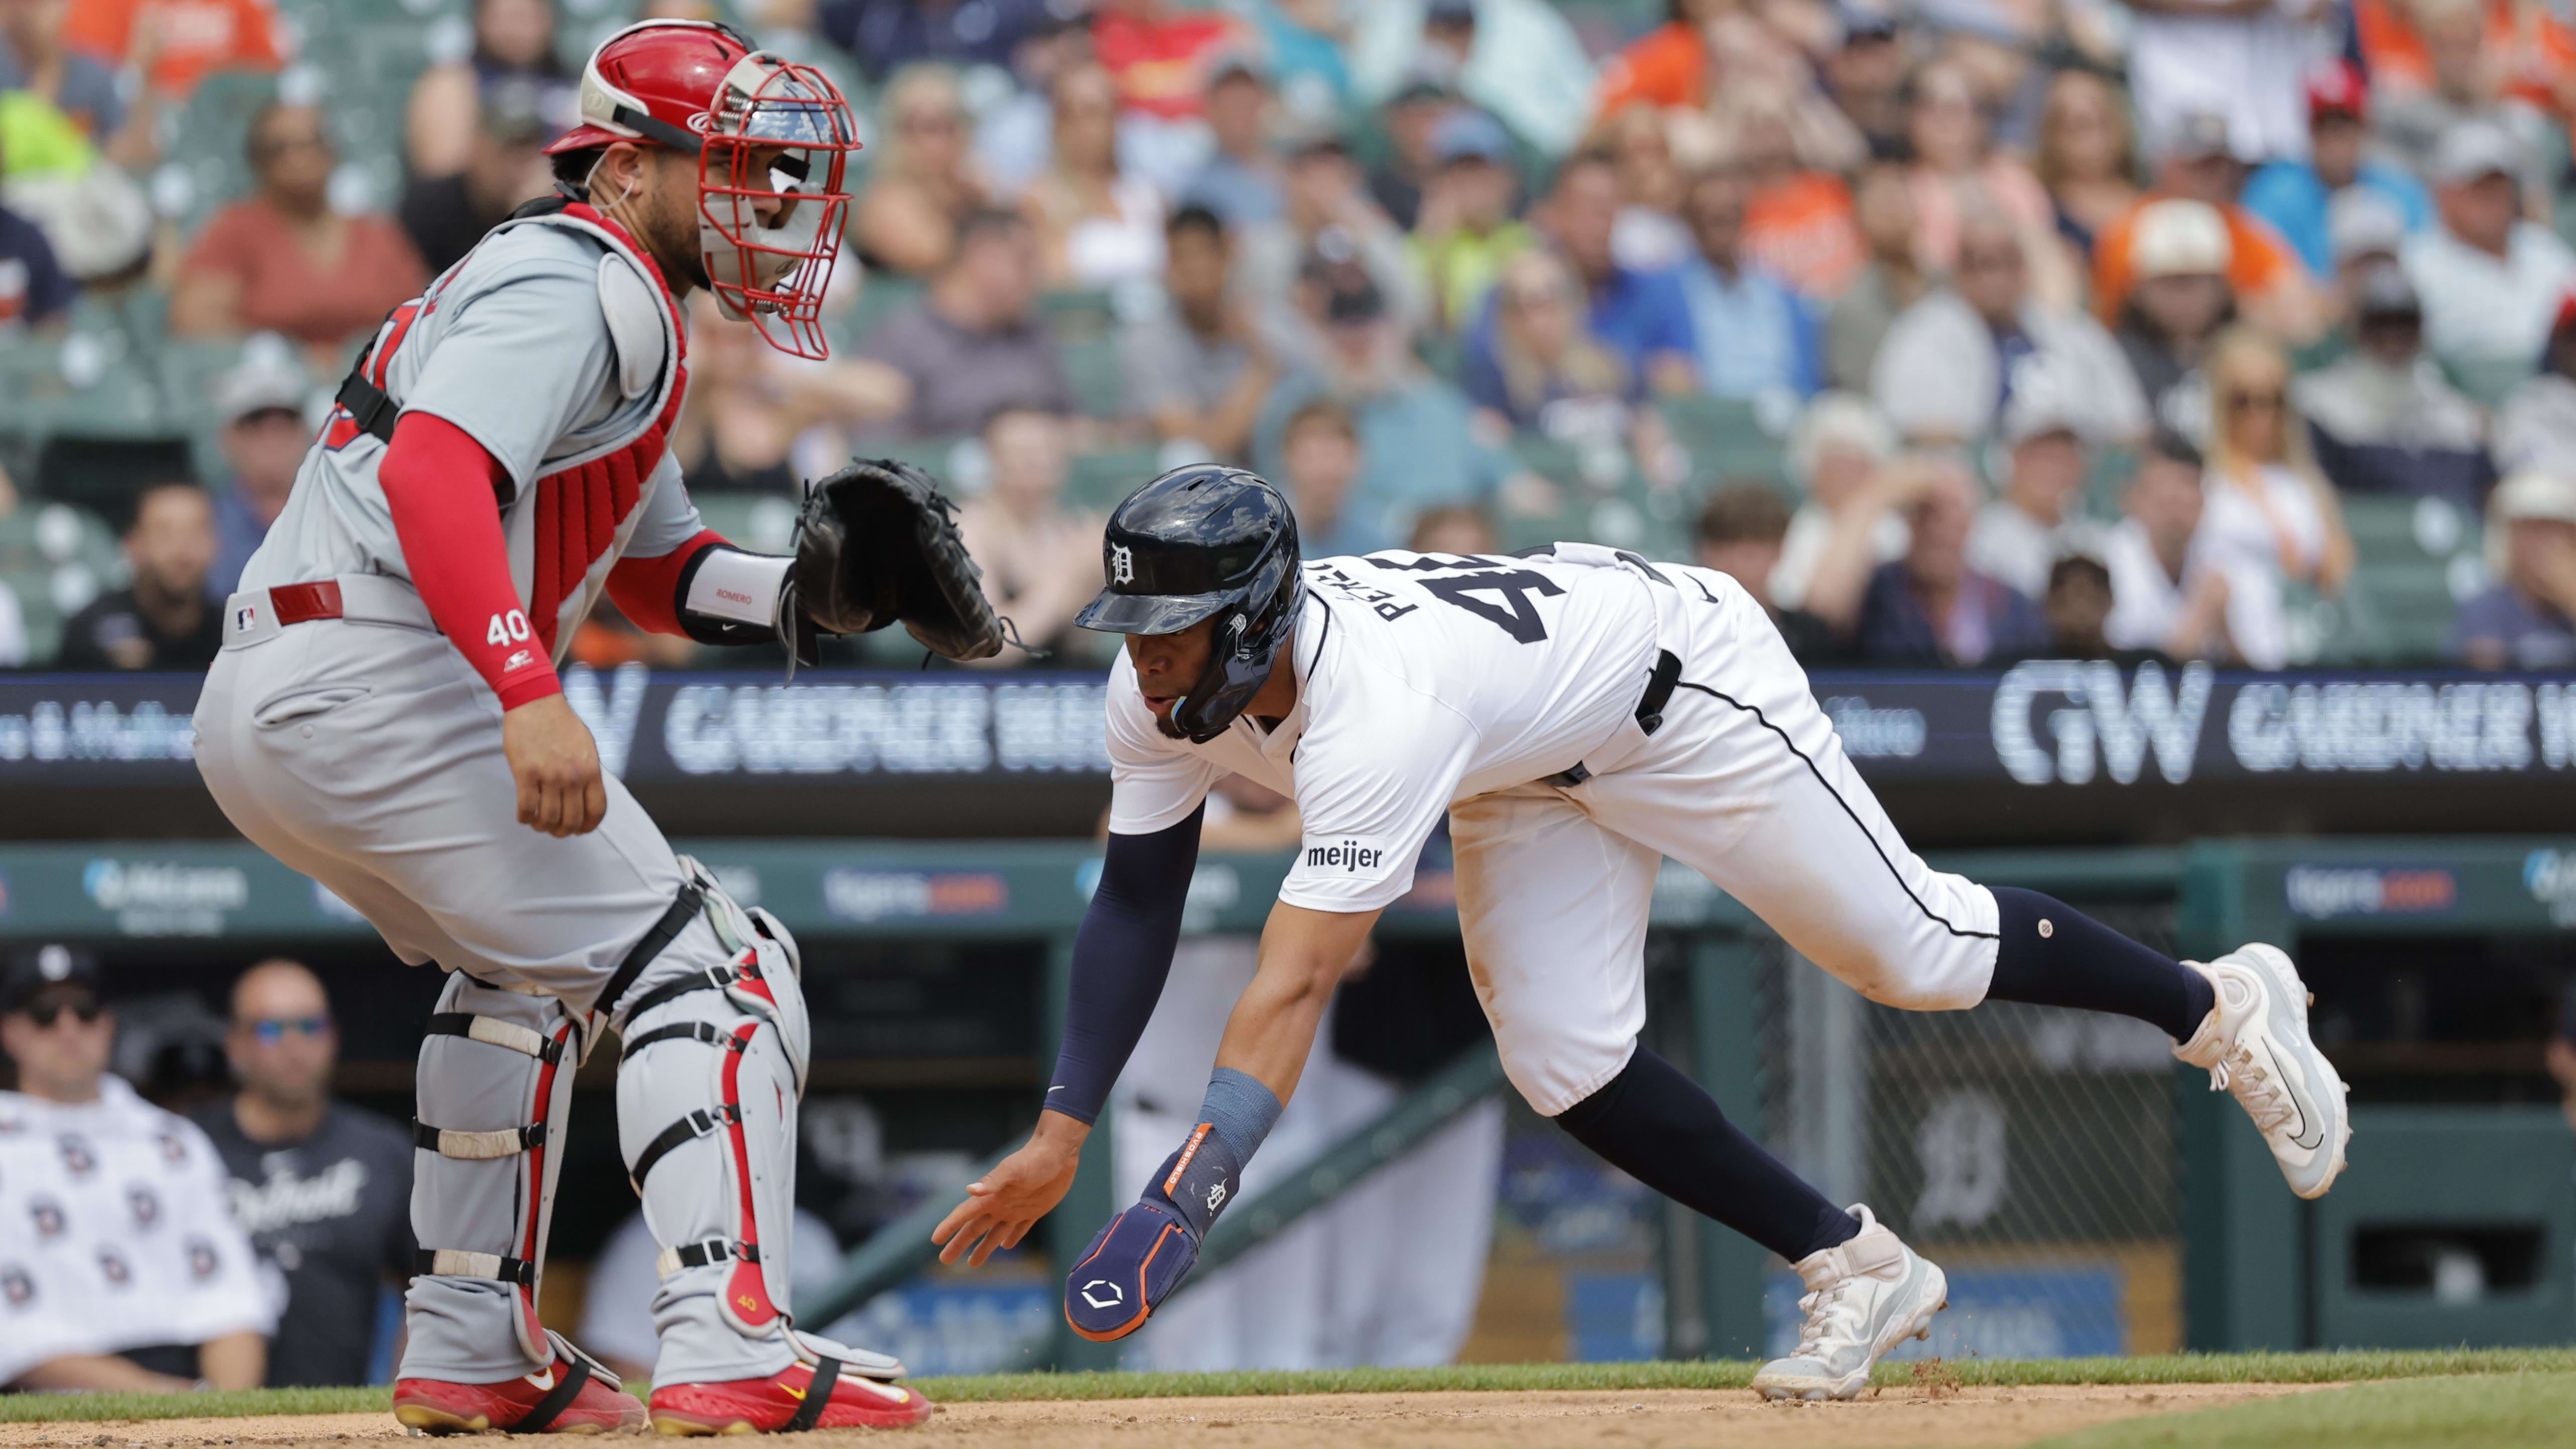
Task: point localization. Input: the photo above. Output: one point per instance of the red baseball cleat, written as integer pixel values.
(573, 1396)
(784, 1403)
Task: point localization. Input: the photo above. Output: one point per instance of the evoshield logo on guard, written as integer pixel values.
(1347, 856)
(1122, 564)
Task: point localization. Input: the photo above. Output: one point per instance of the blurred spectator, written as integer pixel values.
(2500, 62)
(1640, 316)
(1665, 69)
(1413, 118)
(1891, 281)
(1465, 230)
(1927, 606)
(2490, 280)
(322, 1188)
(446, 215)
(1197, 368)
(2179, 301)
(2294, 194)
(1958, 172)
(1306, 42)
(887, 35)
(975, 341)
(1041, 556)
(1535, 368)
(2561, 1053)
(1756, 334)
(2363, 229)
(1952, 360)
(924, 182)
(162, 619)
(2075, 602)
(1839, 444)
(1096, 225)
(2088, 155)
(1013, 136)
(1648, 235)
(1319, 458)
(1519, 59)
(122, 1268)
(1865, 78)
(2526, 619)
(755, 420)
(260, 406)
(2040, 517)
(173, 44)
(34, 292)
(284, 261)
(1243, 182)
(2537, 424)
(1739, 534)
(2165, 594)
(36, 56)
(1455, 529)
(2526, 47)
(1329, 213)
(1162, 53)
(2383, 418)
(1416, 448)
(2240, 64)
(514, 55)
(2268, 509)
(1800, 221)
(2270, 285)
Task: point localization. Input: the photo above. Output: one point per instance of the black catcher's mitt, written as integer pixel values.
(876, 543)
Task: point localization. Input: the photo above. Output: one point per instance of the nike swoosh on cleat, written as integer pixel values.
(797, 1394)
(1051, 1091)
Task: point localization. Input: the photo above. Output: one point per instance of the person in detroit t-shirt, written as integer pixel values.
(322, 1188)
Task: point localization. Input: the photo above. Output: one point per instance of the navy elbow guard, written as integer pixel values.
(1141, 1256)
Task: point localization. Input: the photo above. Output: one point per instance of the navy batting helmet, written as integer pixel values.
(1204, 542)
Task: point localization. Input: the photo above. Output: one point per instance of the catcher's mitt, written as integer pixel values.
(876, 543)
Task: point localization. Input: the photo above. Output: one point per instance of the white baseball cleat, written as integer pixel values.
(1864, 1297)
(2256, 1046)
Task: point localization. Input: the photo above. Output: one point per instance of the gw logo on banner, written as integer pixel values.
(2100, 725)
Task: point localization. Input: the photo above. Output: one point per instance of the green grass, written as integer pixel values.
(1723, 1374)
(2523, 1411)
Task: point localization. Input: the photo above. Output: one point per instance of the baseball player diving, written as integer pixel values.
(385, 717)
(1578, 714)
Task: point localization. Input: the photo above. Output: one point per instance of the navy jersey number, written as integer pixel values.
(1512, 607)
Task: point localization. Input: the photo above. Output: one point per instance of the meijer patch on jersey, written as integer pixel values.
(1359, 856)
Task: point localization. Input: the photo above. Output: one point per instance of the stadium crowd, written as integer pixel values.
(1958, 330)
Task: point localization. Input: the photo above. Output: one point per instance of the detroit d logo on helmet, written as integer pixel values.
(1122, 564)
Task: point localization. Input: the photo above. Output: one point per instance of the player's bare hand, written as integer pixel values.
(556, 764)
(1000, 1209)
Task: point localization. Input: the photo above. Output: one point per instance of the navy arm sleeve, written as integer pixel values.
(1121, 956)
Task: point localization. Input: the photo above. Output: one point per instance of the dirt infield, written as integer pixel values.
(1633, 1419)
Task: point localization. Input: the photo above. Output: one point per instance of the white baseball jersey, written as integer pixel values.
(116, 1232)
(1423, 679)
(554, 350)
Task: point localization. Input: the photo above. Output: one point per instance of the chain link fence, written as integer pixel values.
(2030, 1151)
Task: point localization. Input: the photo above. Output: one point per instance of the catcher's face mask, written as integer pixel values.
(771, 169)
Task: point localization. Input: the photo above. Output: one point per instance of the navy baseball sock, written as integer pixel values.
(1664, 1130)
(2054, 955)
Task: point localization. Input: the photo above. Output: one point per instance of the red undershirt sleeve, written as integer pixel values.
(439, 485)
(647, 590)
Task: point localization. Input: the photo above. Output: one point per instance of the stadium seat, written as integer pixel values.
(1101, 481)
(1727, 439)
(2415, 558)
(1098, 375)
(55, 558)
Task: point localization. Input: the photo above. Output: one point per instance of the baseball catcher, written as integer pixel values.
(386, 718)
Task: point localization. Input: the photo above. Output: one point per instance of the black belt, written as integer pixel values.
(1650, 713)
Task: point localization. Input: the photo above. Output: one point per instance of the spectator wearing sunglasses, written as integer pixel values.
(120, 1268)
(322, 1188)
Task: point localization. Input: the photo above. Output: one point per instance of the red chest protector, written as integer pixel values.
(580, 506)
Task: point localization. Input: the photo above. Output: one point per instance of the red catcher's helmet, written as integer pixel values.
(700, 88)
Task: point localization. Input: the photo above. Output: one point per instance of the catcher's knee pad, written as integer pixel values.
(494, 1085)
(713, 1065)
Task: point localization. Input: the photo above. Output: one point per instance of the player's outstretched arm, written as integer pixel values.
(1121, 955)
(1304, 954)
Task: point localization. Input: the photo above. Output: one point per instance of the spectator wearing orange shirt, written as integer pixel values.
(184, 40)
(2271, 286)
(1162, 54)
(2529, 50)
(1800, 222)
(284, 261)
(1668, 67)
